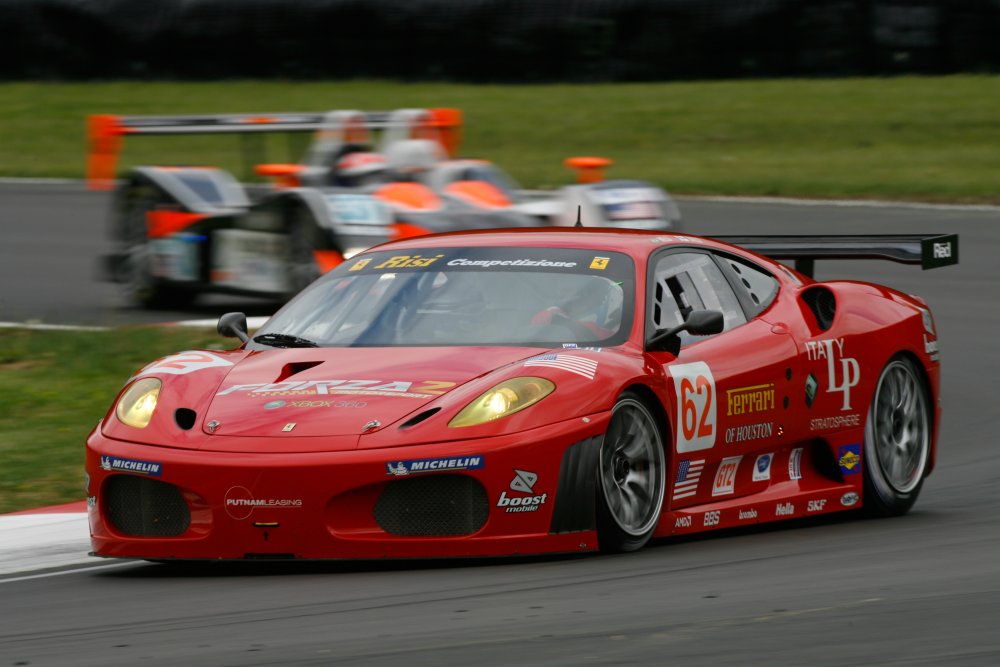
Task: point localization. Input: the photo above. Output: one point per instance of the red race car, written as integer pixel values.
(528, 391)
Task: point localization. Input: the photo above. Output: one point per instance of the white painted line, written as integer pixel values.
(59, 573)
(31, 542)
(252, 323)
(38, 326)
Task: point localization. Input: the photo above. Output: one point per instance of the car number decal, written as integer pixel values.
(183, 363)
(696, 406)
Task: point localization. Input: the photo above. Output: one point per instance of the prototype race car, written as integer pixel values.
(181, 231)
(529, 391)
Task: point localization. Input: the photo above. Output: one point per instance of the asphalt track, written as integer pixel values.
(923, 589)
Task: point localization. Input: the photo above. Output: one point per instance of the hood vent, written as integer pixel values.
(288, 370)
(420, 417)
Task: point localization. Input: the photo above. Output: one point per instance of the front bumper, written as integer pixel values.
(525, 493)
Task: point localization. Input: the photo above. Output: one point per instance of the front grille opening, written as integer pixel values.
(434, 505)
(185, 418)
(143, 507)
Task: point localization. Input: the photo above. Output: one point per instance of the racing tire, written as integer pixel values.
(631, 476)
(303, 239)
(138, 284)
(897, 439)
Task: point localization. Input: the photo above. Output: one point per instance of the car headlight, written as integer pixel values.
(504, 399)
(135, 407)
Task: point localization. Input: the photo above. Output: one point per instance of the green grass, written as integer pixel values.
(54, 387)
(917, 138)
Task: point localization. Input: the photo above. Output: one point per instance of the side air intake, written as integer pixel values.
(823, 305)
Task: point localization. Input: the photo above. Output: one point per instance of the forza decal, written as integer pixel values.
(400, 468)
(744, 400)
(696, 405)
(725, 476)
(688, 474)
(184, 363)
(118, 464)
(398, 388)
(762, 468)
(749, 432)
(795, 464)
(567, 362)
(839, 379)
(840, 421)
(849, 459)
(240, 503)
(523, 482)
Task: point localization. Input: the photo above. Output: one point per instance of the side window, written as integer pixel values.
(757, 285)
(686, 281)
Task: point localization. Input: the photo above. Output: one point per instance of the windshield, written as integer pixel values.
(463, 296)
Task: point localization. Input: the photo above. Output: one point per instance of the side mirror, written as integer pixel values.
(698, 323)
(234, 325)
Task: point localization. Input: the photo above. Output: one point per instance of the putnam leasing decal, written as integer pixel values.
(240, 503)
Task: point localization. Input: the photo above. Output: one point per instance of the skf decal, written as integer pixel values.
(400, 468)
(523, 482)
(725, 476)
(849, 458)
(184, 363)
(696, 406)
(118, 464)
(816, 505)
(758, 398)
(849, 372)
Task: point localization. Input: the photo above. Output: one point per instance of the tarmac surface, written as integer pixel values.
(923, 589)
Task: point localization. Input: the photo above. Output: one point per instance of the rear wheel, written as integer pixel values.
(897, 439)
(139, 286)
(631, 477)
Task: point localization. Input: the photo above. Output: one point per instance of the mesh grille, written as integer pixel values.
(823, 305)
(144, 507)
(435, 505)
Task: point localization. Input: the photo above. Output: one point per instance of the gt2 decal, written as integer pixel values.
(183, 363)
(696, 406)
(725, 476)
(849, 372)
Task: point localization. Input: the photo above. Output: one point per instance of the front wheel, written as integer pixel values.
(897, 439)
(631, 474)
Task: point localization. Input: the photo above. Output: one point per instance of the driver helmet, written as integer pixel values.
(360, 168)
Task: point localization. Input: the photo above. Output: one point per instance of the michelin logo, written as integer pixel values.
(400, 468)
(117, 464)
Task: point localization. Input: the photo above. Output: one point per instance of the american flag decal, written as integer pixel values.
(688, 474)
(567, 362)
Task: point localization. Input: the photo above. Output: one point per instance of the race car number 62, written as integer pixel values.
(695, 414)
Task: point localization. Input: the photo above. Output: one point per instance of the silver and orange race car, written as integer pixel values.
(528, 391)
(366, 178)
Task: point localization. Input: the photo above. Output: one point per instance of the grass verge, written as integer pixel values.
(916, 138)
(55, 386)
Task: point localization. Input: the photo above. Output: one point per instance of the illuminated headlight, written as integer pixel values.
(504, 399)
(135, 407)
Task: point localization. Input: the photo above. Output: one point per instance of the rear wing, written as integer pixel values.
(930, 251)
(106, 133)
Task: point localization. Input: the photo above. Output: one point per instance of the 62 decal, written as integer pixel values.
(696, 406)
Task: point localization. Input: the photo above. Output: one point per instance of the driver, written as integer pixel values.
(595, 306)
